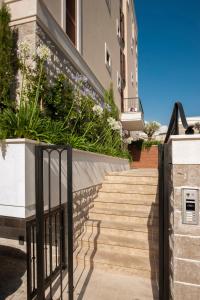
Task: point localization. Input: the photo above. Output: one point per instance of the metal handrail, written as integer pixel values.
(139, 104)
(173, 128)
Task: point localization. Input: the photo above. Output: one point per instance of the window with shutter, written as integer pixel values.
(71, 20)
(122, 26)
(123, 68)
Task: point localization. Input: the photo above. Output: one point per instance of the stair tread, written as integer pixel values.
(127, 226)
(142, 180)
(121, 212)
(126, 198)
(137, 241)
(136, 172)
(131, 204)
(138, 260)
(129, 188)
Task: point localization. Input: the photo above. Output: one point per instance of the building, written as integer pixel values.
(94, 38)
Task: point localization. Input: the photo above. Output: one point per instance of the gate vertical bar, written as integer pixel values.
(166, 182)
(161, 222)
(70, 223)
(39, 221)
(28, 257)
(61, 226)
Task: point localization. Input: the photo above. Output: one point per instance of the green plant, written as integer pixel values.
(110, 103)
(143, 144)
(150, 128)
(7, 58)
(197, 126)
(61, 113)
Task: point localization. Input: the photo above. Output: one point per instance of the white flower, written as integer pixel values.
(107, 106)
(97, 109)
(24, 49)
(111, 121)
(129, 140)
(31, 64)
(115, 125)
(43, 52)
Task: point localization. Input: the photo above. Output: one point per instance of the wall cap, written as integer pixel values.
(28, 141)
(184, 137)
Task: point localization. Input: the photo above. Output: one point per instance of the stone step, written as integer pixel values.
(129, 198)
(129, 188)
(137, 219)
(124, 213)
(85, 263)
(136, 172)
(121, 241)
(138, 260)
(131, 180)
(147, 209)
(106, 226)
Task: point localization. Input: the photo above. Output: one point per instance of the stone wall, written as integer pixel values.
(184, 240)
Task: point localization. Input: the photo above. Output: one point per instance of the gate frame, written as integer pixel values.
(40, 217)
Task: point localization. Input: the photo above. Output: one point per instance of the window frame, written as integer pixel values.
(108, 63)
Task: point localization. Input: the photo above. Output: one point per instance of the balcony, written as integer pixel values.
(132, 116)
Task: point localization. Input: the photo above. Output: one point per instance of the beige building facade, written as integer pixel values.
(94, 38)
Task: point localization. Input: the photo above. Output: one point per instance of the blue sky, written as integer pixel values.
(169, 56)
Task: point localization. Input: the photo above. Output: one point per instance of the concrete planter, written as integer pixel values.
(17, 175)
(144, 158)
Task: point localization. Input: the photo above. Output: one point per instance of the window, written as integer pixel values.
(118, 30)
(119, 82)
(123, 68)
(122, 26)
(108, 59)
(132, 78)
(71, 20)
(108, 2)
(132, 44)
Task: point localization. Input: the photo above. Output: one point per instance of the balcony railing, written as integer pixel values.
(132, 105)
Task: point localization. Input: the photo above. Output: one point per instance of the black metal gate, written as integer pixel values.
(49, 233)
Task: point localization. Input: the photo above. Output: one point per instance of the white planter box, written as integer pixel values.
(17, 175)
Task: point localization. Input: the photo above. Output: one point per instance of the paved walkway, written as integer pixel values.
(90, 284)
(110, 285)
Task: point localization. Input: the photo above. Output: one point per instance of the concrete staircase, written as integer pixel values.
(121, 232)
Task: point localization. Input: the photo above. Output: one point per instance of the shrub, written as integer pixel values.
(142, 144)
(61, 113)
(7, 58)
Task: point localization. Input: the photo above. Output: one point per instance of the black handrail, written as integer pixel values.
(173, 128)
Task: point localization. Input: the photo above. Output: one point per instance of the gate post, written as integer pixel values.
(184, 217)
(39, 202)
(70, 223)
(164, 171)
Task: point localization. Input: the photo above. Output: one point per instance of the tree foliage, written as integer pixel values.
(150, 128)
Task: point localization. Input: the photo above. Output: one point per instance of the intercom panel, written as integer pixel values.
(190, 206)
